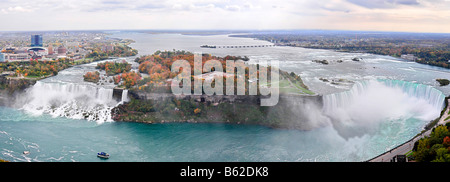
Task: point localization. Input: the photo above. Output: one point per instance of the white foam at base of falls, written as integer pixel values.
(71, 100)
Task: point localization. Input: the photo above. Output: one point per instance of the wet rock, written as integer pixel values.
(321, 61)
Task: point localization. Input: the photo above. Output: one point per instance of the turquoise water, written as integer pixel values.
(375, 120)
(60, 139)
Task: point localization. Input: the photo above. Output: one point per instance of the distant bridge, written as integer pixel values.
(234, 46)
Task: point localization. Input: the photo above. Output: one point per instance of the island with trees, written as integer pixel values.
(152, 101)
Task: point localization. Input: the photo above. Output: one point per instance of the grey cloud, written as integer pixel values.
(408, 2)
(372, 4)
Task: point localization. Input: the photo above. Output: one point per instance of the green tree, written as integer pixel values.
(423, 151)
(440, 132)
(442, 155)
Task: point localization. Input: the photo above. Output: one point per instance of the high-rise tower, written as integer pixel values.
(36, 41)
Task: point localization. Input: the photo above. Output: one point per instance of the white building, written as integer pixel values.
(17, 57)
(212, 75)
(409, 57)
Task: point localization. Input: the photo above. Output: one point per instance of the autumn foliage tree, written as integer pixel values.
(93, 76)
(446, 142)
(158, 66)
(197, 111)
(117, 79)
(113, 68)
(36, 68)
(434, 148)
(130, 78)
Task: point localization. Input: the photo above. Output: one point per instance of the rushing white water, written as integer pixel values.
(360, 109)
(125, 96)
(68, 95)
(130, 141)
(71, 100)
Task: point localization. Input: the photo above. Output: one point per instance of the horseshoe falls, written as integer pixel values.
(369, 103)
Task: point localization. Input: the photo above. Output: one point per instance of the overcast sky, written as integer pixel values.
(382, 15)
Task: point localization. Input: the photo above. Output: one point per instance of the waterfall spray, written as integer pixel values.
(71, 100)
(360, 109)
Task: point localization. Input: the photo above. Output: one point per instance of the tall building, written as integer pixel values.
(50, 49)
(61, 50)
(36, 41)
(2, 57)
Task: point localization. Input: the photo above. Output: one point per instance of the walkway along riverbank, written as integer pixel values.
(408, 145)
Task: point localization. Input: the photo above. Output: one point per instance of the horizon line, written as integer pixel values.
(222, 30)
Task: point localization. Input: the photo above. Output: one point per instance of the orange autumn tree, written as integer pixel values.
(130, 78)
(93, 76)
(446, 142)
(117, 79)
(158, 67)
(197, 111)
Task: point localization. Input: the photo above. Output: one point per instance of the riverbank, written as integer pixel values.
(421, 59)
(430, 49)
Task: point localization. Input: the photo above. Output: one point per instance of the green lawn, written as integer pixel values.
(448, 117)
(290, 90)
(410, 153)
(286, 87)
(306, 91)
(85, 59)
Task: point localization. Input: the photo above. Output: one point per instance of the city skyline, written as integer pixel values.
(357, 15)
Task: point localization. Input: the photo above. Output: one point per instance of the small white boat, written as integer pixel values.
(26, 152)
(103, 155)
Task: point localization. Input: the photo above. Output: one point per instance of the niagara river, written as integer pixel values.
(369, 107)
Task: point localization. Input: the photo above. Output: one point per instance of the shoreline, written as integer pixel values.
(419, 60)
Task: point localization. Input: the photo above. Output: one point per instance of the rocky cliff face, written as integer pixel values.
(197, 98)
(10, 87)
(292, 111)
